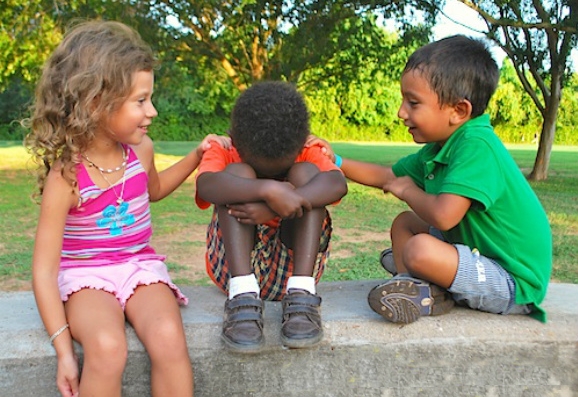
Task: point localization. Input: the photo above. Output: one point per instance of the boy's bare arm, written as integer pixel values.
(442, 211)
(223, 188)
(368, 174)
(324, 188)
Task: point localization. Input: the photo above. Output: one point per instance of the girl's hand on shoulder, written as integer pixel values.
(223, 141)
(313, 140)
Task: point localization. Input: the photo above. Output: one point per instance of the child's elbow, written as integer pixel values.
(445, 223)
(343, 188)
(209, 189)
(202, 186)
(340, 184)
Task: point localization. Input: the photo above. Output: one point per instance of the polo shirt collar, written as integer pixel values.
(445, 151)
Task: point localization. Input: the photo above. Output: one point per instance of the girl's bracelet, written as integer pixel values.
(338, 160)
(60, 330)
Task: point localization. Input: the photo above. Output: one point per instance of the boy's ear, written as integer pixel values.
(462, 112)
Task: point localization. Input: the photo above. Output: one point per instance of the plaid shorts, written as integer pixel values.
(271, 260)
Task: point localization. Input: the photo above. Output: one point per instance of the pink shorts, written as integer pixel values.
(121, 280)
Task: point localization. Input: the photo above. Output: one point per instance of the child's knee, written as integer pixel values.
(168, 343)
(409, 222)
(302, 173)
(418, 253)
(106, 353)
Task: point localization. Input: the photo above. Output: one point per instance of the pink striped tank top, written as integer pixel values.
(100, 231)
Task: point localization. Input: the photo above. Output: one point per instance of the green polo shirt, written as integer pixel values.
(506, 221)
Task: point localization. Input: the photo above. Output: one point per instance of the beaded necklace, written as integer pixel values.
(103, 171)
(108, 170)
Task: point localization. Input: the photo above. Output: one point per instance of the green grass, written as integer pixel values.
(362, 220)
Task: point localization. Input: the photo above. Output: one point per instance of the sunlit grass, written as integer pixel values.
(361, 221)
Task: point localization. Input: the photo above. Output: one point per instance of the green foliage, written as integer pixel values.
(566, 132)
(189, 108)
(14, 101)
(356, 95)
(255, 40)
(28, 33)
(346, 64)
(516, 118)
(513, 114)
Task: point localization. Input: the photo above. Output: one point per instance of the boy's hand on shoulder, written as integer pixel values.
(251, 213)
(284, 201)
(313, 140)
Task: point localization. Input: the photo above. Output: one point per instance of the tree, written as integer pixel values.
(252, 40)
(28, 33)
(355, 95)
(513, 113)
(538, 37)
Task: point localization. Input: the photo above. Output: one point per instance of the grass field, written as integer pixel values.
(361, 221)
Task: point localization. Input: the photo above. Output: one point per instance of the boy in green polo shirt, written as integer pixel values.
(476, 233)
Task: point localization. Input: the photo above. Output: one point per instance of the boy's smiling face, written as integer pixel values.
(421, 112)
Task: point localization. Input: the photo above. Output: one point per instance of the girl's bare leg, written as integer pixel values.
(154, 313)
(97, 322)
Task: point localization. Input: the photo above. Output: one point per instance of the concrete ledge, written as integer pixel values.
(464, 353)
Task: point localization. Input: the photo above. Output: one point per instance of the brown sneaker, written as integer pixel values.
(301, 326)
(386, 260)
(243, 323)
(404, 299)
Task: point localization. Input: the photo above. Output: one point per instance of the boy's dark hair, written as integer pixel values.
(458, 67)
(270, 120)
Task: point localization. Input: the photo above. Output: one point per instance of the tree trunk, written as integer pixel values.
(540, 170)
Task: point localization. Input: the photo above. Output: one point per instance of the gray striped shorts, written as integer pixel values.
(482, 284)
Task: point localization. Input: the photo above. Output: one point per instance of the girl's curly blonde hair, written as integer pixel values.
(87, 77)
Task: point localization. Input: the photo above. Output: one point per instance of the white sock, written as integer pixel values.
(242, 284)
(301, 282)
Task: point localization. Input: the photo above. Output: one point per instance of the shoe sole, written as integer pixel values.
(405, 301)
(301, 343)
(241, 347)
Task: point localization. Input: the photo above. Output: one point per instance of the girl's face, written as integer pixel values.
(421, 112)
(130, 122)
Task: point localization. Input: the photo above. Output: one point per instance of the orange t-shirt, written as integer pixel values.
(216, 159)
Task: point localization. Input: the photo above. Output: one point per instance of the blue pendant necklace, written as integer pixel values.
(115, 217)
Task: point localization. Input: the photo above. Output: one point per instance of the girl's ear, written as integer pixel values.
(462, 112)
